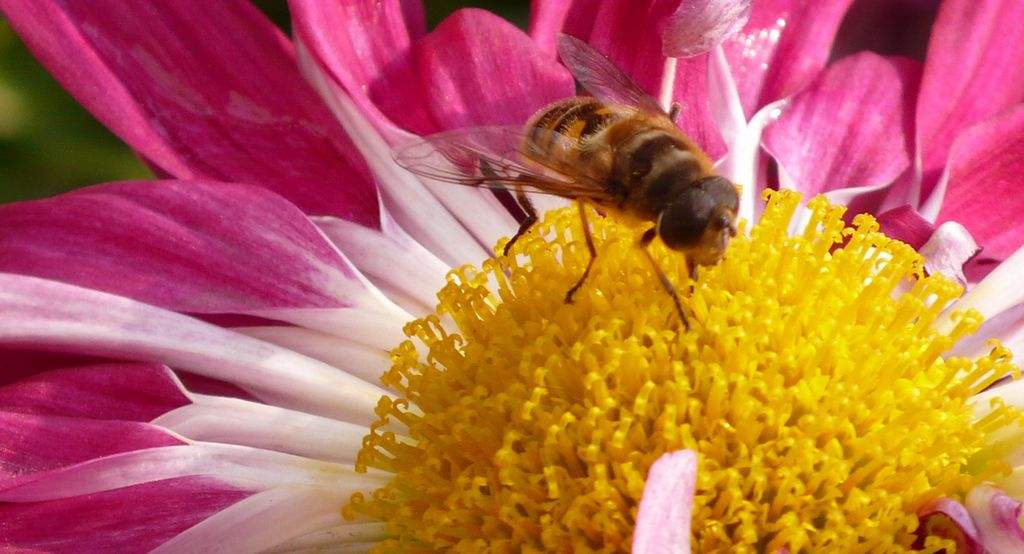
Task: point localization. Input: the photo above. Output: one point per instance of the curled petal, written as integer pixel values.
(998, 519)
(663, 520)
(825, 139)
(699, 25)
(949, 519)
(972, 42)
(159, 76)
(130, 519)
(948, 250)
(906, 224)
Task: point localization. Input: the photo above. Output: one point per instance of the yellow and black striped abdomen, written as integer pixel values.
(578, 119)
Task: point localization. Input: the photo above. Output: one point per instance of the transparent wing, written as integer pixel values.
(494, 157)
(601, 78)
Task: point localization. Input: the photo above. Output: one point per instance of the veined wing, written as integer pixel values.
(494, 157)
(602, 78)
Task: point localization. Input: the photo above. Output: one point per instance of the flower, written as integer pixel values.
(195, 361)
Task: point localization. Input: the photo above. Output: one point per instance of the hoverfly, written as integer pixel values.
(617, 150)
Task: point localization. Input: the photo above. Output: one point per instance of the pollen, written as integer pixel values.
(811, 383)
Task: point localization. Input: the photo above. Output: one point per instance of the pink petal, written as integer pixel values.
(782, 47)
(201, 90)
(478, 69)
(263, 521)
(997, 293)
(131, 519)
(663, 520)
(849, 127)
(547, 17)
(366, 362)
(949, 519)
(130, 392)
(982, 189)
(366, 47)
(971, 74)
(68, 318)
(38, 443)
(190, 246)
(239, 466)
(359, 537)
(235, 421)
(629, 33)
(697, 26)
(998, 519)
(906, 224)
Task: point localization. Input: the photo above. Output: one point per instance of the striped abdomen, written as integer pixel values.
(642, 159)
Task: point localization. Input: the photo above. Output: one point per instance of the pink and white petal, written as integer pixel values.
(39, 443)
(663, 519)
(826, 139)
(782, 48)
(629, 33)
(456, 224)
(366, 46)
(63, 317)
(238, 466)
(263, 521)
(949, 519)
(744, 164)
(950, 247)
(395, 263)
(201, 90)
(997, 293)
(479, 69)
(137, 518)
(236, 421)
(349, 537)
(366, 362)
(697, 26)
(981, 188)
(117, 391)
(997, 517)
(972, 42)
(190, 246)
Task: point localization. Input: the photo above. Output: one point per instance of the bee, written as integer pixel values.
(616, 150)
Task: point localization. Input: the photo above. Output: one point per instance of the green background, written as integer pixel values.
(49, 144)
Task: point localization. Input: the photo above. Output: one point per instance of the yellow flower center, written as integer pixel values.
(811, 384)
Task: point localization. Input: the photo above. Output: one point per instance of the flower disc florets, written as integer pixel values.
(811, 384)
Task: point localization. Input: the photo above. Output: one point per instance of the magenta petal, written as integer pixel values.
(131, 392)
(479, 69)
(907, 225)
(983, 184)
(201, 90)
(973, 72)
(699, 25)
(132, 519)
(195, 247)
(663, 520)
(949, 519)
(849, 127)
(37, 443)
(366, 47)
(998, 519)
(547, 18)
(783, 46)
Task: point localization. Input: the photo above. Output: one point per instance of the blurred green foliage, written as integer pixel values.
(49, 144)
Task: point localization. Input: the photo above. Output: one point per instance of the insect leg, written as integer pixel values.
(590, 246)
(645, 240)
(692, 268)
(531, 218)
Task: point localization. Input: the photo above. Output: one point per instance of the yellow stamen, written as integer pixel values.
(816, 396)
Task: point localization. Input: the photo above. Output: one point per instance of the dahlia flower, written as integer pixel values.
(289, 343)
